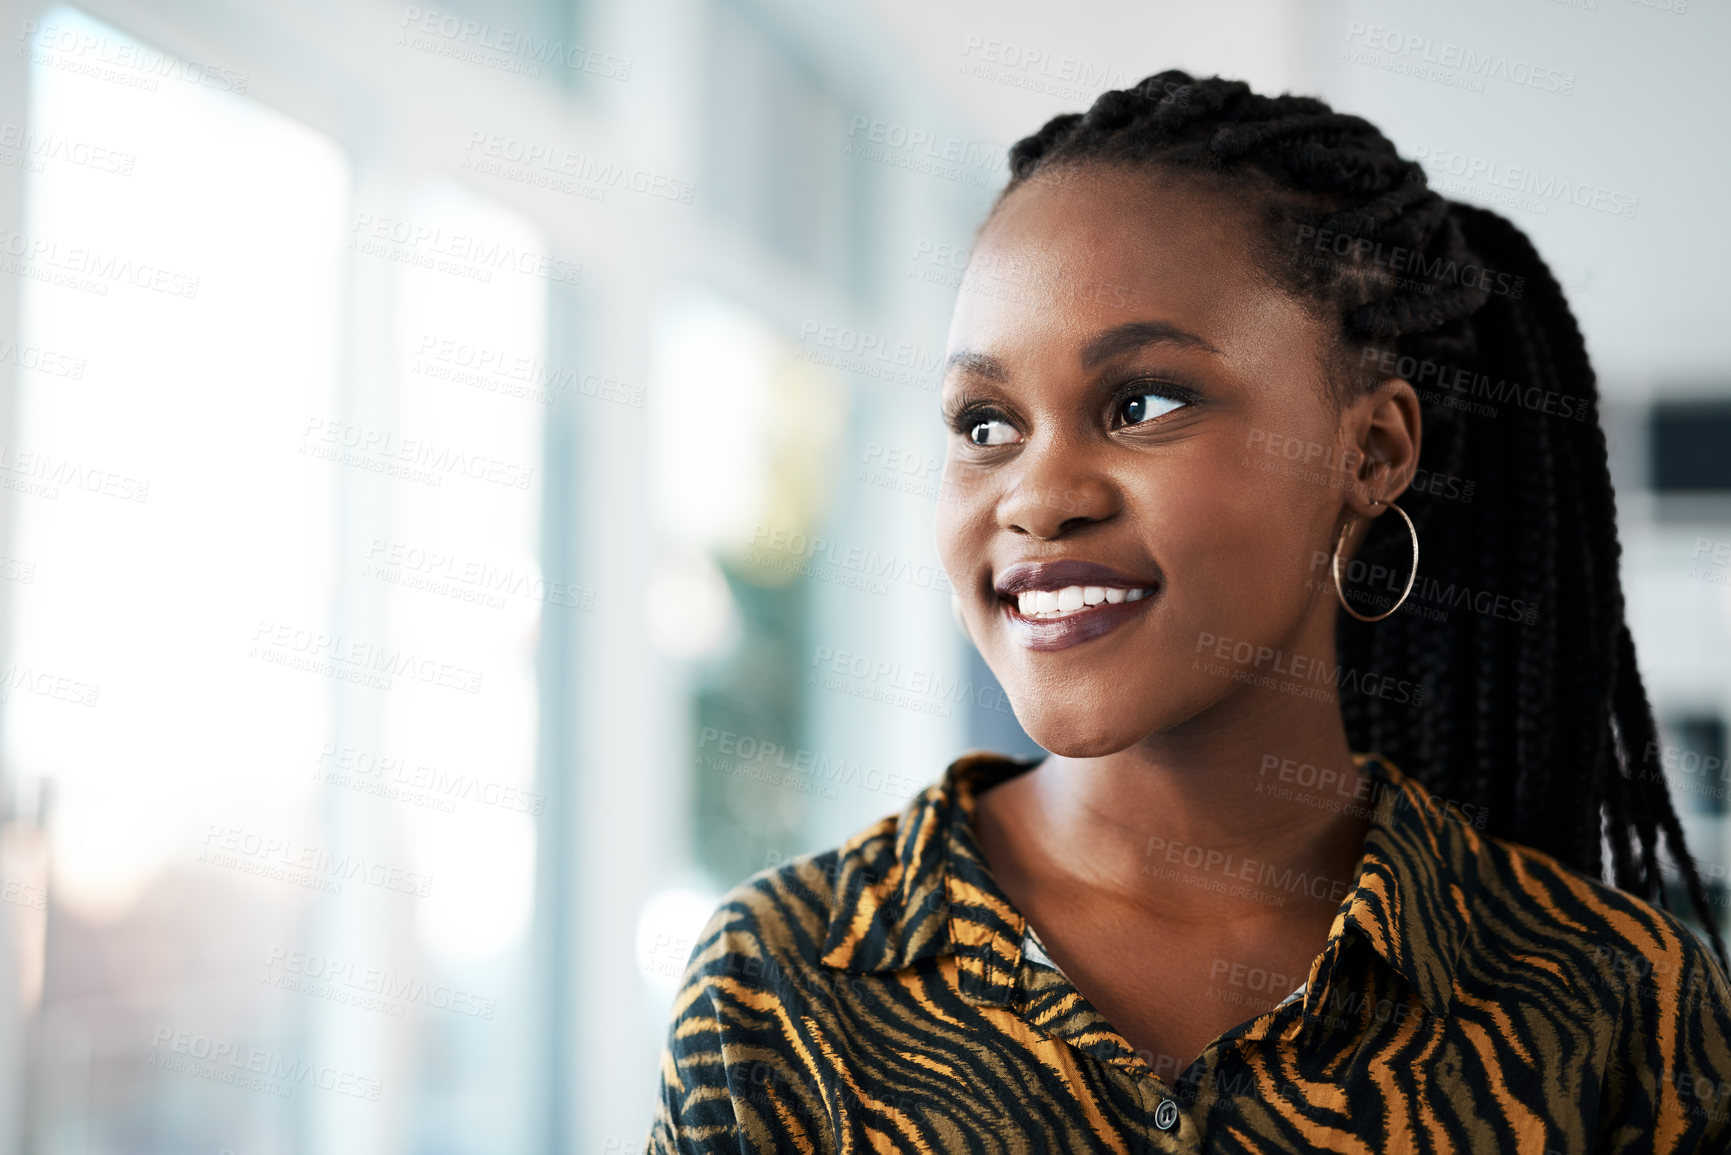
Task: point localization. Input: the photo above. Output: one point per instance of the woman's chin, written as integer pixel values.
(1071, 737)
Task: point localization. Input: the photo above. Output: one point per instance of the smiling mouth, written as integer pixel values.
(1078, 613)
(1069, 601)
(1053, 605)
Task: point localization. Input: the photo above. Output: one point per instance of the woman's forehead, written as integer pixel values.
(1114, 216)
(1066, 261)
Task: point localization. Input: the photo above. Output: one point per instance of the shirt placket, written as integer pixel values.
(994, 942)
(1173, 1119)
(1048, 1001)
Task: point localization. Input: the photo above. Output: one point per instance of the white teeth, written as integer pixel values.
(1056, 603)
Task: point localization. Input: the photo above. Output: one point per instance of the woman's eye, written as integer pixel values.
(992, 433)
(1146, 407)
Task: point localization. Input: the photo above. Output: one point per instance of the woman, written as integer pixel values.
(1203, 338)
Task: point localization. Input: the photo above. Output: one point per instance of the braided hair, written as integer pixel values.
(1544, 724)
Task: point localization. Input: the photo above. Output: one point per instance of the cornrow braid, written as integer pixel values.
(1544, 723)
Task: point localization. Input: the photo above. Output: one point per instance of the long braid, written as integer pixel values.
(1544, 721)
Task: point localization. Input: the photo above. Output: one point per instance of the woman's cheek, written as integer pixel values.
(952, 551)
(962, 525)
(1227, 572)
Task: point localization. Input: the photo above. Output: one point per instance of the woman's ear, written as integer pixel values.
(1387, 430)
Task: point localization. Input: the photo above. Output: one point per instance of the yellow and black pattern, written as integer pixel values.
(1473, 995)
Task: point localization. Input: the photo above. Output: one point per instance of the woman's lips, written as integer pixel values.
(1054, 604)
(1073, 628)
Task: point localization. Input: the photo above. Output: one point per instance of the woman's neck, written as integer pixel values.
(1209, 822)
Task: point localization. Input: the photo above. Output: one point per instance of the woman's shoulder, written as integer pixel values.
(1651, 981)
(784, 913)
(757, 965)
(791, 903)
(1633, 953)
(858, 905)
(1512, 908)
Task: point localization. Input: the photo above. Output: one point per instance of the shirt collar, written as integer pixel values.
(1414, 895)
(915, 886)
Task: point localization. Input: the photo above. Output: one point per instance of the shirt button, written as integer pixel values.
(1166, 1115)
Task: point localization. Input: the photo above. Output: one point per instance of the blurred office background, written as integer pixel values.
(466, 483)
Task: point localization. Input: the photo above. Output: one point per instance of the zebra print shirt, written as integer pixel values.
(1473, 995)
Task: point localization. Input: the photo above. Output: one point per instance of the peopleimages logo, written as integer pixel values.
(925, 151)
(1440, 164)
(553, 160)
(369, 988)
(38, 147)
(254, 853)
(428, 29)
(1466, 382)
(139, 66)
(768, 542)
(1037, 69)
(445, 250)
(1467, 62)
(88, 269)
(870, 355)
(348, 443)
(1300, 670)
(1398, 259)
(254, 1068)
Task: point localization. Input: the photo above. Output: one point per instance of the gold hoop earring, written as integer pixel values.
(1341, 540)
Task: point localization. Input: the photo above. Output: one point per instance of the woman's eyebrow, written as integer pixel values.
(1136, 334)
(977, 365)
(1101, 348)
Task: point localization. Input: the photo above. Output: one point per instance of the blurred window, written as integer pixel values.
(284, 442)
(1691, 446)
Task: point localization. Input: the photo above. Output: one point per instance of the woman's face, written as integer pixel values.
(1140, 418)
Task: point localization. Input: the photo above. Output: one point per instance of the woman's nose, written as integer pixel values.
(1057, 490)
